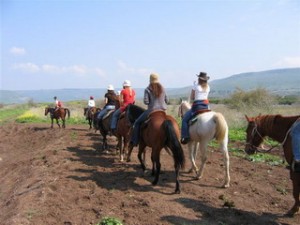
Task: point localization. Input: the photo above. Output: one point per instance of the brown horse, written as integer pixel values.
(160, 131)
(57, 114)
(123, 131)
(278, 128)
(104, 127)
(90, 114)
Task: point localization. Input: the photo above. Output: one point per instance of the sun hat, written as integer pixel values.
(110, 87)
(127, 83)
(202, 76)
(154, 78)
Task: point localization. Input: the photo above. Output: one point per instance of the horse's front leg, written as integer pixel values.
(296, 191)
(51, 122)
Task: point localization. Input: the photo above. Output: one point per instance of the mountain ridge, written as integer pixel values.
(282, 82)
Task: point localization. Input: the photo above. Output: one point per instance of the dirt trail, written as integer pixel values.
(52, 176)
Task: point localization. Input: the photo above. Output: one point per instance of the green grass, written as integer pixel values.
(11, 113)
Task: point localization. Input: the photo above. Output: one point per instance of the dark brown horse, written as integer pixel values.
(278, 128)
(89, 113)
(159, 132)
(104, 127)
(57, 114)
(123, 131)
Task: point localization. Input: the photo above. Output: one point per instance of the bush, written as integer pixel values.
(258, 100)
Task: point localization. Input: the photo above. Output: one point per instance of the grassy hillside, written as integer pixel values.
(281, 82)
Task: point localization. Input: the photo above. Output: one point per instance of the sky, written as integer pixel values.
(91, 44)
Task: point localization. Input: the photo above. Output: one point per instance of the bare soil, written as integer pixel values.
(62, 176)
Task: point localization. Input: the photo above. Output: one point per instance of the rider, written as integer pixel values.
(156, 99)
(110, 99)
(127, 96)
(58, 103)
(295, 134)
(199, 96)
(91, 104)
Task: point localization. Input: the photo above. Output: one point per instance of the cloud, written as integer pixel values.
(289, 62)
(77, 70)
(124, 68)
(17, 51)
(26, 67)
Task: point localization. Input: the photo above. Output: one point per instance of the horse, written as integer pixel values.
(158, 132)
(277, 127)
(104, 127)
(205, 127)
(57, 114)
(90, 113)
(123, 130)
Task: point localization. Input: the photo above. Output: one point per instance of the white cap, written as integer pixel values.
(110, 87)
(127, 83)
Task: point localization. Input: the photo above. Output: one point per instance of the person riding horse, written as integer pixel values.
(91, 104)
(199, 96)
(127, 96)
(110, 99)
(58, 104)
(156, 99)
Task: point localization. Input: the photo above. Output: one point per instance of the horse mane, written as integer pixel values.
(133, 112)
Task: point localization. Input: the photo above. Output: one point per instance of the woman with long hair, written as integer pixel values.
(156, 99)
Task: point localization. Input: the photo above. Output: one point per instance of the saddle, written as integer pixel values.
(108, 113)
(149, 116)
(195, 118)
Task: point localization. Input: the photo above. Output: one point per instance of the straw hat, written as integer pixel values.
(154, 78)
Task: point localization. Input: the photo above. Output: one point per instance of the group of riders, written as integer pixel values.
(155, 98)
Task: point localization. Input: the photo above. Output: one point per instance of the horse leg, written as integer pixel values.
(156, 163)
(120, 147)
(57, 122)
(51, 122)
(193, 147)
(141, 150)
(203, 157)
(226, 162)
(296, 191)
(63, 123)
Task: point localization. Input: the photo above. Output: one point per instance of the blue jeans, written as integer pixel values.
(185, 124)
(137, 125)
(114, 119)
(295, 133)
(104, 111)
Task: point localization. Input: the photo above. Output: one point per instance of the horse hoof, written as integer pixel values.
(177, 191)
(225, 186)
(154, 183)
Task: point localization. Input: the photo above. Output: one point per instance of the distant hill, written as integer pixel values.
(281, 82)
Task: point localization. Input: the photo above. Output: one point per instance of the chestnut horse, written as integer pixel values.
(90, 113)
(204, 128)
(57, 114)
(277, 127)
(160, 131)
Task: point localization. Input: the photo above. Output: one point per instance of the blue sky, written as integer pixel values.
(91, 44)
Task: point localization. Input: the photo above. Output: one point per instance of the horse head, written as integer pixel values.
(133, 112)
(253, 135)
(183, 108)
(47, 109)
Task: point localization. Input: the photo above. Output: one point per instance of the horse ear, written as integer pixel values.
(247, 118)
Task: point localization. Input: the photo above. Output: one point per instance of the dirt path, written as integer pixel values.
(52, 176)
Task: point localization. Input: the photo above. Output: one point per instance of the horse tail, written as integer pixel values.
(221, 127)
(67, 112)
(173, 143)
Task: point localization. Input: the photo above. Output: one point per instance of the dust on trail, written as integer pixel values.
(52, 176)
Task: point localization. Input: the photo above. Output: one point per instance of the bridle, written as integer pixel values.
(258, 149)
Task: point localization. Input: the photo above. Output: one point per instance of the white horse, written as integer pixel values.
(209, 125)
